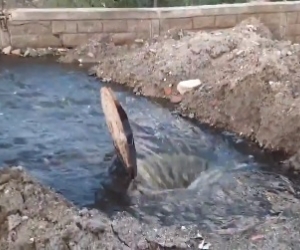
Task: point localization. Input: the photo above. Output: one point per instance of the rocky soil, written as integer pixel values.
(30, 52)
(35, 217)
(249, 81)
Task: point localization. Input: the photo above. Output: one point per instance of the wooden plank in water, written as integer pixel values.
(120, 130)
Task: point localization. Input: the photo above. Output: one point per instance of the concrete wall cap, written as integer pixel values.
(24, 14)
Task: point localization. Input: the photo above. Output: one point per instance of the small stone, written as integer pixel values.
(4, 178)
(27, 53)
(13, 236)
(92, 71)
(186, 86)
(61, 50)
(257, 237)
(95, 226)
(90, 54)
(204, 246)
(139, 41)
(30, 52)
(24, 217)
(135, 90)
(106, 79)
(16, 52)
(167, 91)
(176, 99)
(7, 50)
(83, 212)
(17, 168)
(191, 115)
(14, 221)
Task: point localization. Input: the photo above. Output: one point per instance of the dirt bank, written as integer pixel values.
(35, 217)
(249, 82)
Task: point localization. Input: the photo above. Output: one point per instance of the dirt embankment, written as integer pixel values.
(250, 82)
(34, 217)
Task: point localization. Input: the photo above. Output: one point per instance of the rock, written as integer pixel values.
(30, 52)
(106, 79)
(62, 50)
(26, 53)
(139, 41)
(137, 90)
(185, 86)
(191, 115)
(43, 51)
(95, 226)
(176, 99)
(90, 54)
(13, 221)
(167, 91)
(16, 52)
(92, 72)
(7, 50)
(83, 212)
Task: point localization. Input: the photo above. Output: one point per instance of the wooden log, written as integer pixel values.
(120, 130)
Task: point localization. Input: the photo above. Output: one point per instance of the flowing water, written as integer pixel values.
(51, 123)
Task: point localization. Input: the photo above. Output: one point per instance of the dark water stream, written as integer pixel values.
(51, 123)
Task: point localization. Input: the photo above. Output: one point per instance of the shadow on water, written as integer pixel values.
(53, 125)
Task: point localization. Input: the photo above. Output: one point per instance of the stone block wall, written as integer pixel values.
(38, 28)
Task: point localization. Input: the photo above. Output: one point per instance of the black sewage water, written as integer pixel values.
(52, 124)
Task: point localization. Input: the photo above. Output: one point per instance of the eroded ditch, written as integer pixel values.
(52, 124)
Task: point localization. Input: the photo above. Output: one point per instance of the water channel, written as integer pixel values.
(53, 125)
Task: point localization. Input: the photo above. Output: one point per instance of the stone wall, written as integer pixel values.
(71, 27)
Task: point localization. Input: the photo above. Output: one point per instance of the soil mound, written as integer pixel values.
(249, 81)
(35, 217)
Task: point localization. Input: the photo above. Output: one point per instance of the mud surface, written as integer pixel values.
(250, 82)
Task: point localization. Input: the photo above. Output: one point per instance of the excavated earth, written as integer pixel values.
(250, 82)
(35, 217)
(249, 86)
